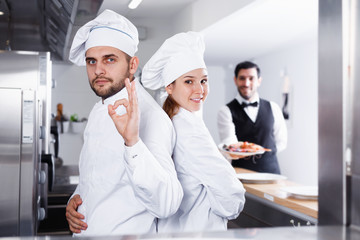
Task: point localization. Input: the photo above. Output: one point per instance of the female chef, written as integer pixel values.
(212, 193)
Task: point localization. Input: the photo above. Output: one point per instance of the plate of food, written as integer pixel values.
(259, 178)
(242, 149)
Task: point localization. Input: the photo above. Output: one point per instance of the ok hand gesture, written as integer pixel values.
(128, 123)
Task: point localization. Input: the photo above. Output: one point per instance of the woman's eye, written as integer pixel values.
(204, 81)
(188, 81)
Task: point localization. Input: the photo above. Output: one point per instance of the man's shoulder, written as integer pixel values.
(234, 103)
(273, 105)
(264, 100)
(231, 102)
(151, 112)
(269, 102)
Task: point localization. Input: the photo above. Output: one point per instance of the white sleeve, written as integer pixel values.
(226, 126)
(203, 161)
(75, 192)
(152, 171)
(280, 130)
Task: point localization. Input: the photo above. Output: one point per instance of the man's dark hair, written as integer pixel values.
(246, 65)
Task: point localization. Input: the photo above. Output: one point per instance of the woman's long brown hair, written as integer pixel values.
(171, 107)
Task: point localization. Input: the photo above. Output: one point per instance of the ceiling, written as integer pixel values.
(256, 29)
(43, 25)
(147, 8)
(260, 28)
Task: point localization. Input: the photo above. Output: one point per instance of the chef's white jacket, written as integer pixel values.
(212, 192)
(124, 189)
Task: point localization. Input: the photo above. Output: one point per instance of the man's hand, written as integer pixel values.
(73, 217)
(128, 123)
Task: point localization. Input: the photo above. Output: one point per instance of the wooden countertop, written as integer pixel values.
(272, 192)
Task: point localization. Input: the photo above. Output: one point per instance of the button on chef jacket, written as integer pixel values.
(212, 192)
(124, 189)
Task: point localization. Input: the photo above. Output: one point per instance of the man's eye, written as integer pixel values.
(91, 61)
(110, 60)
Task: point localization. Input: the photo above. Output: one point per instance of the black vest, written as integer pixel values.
(259, 132)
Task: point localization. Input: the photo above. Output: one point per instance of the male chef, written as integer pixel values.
(127, 176)
(251, 118)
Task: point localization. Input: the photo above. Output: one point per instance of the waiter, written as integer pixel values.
(251, 118)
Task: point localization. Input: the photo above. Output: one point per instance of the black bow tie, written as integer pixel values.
(244, 104)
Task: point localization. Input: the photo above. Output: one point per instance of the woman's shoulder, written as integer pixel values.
(185, 121)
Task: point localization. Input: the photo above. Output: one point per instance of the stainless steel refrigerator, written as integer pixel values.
(25, 100)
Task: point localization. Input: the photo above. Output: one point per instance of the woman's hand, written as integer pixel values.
(128, 123)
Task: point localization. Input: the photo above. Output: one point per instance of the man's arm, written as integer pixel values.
(280, 130)
(151, 169)
(148, 158)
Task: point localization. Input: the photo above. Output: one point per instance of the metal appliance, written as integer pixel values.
(25, 102)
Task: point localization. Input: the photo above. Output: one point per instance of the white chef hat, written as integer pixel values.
(178, 55)
(107, 29)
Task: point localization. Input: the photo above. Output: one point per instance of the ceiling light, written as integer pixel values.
(134, 4)
(1, 13)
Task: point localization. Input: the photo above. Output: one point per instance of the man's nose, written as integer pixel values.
(99, 69)
(247, 82)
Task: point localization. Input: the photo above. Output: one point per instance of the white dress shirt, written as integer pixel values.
(226, 126)
(212, 192)
(124, 189)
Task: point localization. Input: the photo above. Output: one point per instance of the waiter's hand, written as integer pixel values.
(128, 123)
(73, 217)
(230, 156)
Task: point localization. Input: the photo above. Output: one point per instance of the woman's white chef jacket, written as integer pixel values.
(124, 189)
(212, 192)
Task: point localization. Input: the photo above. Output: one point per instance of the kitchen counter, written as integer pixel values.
(278, 233)
(266, 203)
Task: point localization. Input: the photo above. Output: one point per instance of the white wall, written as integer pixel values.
(217, 77)
(203, 13)
(73, 91)
(299, 161)
(161, 29)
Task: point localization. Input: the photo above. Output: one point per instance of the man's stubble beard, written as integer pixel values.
(242, 95)
(112, 90)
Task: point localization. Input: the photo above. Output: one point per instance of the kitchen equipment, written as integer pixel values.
(25, 160)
